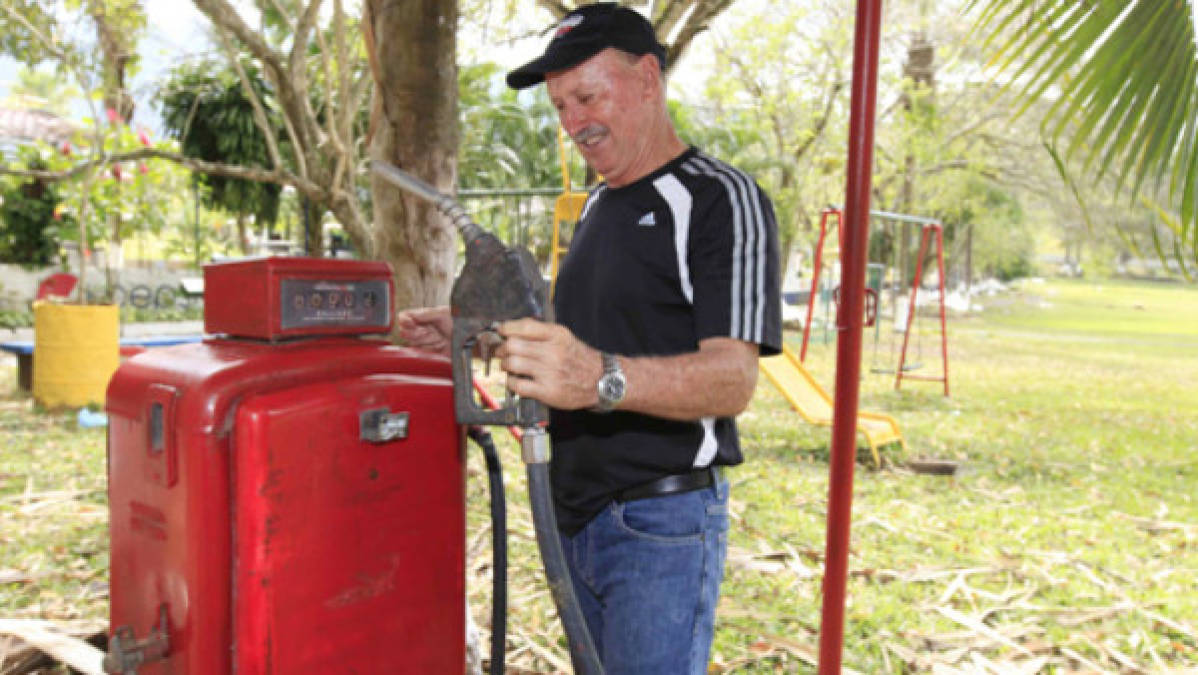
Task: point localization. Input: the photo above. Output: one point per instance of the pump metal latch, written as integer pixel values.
(380, 425)
(127, 653)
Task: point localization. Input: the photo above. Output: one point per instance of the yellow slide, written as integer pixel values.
(813, 403)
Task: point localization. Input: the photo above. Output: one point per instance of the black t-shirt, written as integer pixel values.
(686, 253)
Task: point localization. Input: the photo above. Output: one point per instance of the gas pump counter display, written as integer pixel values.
(328, 303)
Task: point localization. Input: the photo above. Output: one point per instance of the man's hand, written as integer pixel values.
(428, 329)
(546, 362)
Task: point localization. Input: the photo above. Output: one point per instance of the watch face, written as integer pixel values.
(612, 387)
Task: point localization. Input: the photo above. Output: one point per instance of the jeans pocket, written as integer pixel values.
(673, 519)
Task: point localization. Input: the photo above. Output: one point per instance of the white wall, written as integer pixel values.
(19, 284)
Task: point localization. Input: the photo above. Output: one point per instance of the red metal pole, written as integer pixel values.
(924, 241)
(815, 269)
(855, 228)
(923, 252)
(943, 319)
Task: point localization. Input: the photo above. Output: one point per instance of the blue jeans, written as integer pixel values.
(647, 574)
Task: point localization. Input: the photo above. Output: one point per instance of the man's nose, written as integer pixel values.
(572, 120)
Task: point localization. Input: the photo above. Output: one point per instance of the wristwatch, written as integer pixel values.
(611, 385)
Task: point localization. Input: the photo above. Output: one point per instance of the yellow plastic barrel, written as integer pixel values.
(76, 349)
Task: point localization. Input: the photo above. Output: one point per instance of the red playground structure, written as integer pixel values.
(932, 232)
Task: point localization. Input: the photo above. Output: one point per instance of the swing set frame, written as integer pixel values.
(932, 233)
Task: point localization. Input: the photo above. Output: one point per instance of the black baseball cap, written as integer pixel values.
(586, 31)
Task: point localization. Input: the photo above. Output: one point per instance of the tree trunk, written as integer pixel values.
(968, 259)
(415, 127)
(311, 221)
(116, 52)
(920, 69)
(115, 56)
(243, 238)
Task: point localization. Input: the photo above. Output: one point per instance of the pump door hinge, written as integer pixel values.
(127, 653)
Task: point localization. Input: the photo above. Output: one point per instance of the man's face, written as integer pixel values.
(604, 104)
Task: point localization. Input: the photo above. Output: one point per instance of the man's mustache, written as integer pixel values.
(589, 132)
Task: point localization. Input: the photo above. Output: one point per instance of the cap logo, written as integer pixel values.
(567, 25)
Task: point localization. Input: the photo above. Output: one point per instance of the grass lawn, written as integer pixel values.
(1067, 541)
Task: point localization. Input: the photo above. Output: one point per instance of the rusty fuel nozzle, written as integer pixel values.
(467, 228)
(497, 283)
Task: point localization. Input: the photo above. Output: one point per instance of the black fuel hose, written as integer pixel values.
(582, 649)
(483, 439)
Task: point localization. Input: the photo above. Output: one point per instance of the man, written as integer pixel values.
(664, 302)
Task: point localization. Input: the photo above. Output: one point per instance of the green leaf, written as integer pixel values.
(1127, 71)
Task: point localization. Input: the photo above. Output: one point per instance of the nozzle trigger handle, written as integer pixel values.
(523, 412)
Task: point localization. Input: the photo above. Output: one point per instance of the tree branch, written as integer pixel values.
(696, 23)
(821, 123)
(283, 13)
(290, 86)
(280, 177)
(556, 8)
(222, 15)
(58, 53)
(985, 119)
(260, 118)
(299, 73)
(668, 16)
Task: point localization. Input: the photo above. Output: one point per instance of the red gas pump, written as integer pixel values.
(287, 496)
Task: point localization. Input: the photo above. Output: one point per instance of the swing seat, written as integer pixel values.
(907, 367)
(814, 404)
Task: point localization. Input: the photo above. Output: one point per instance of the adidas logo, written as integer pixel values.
(647, 220)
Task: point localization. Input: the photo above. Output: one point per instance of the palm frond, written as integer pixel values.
(1127, 76)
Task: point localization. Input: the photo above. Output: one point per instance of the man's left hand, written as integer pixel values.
(546, 362)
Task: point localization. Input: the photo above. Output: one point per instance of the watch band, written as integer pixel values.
(610, 363)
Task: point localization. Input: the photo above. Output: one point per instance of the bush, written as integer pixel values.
(30, 235)
(15, 318)
(131, 314)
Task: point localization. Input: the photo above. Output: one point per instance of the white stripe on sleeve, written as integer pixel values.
(693, 166)
(749, 250)
(679, 201)
(709, 445)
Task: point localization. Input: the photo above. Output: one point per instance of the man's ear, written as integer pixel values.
(648, 68)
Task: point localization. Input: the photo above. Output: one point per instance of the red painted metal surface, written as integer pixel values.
(344, 549)
(925, 239)
(817, 264)
(489, 401)
(855, 238)
(248, 298)
(183, 505)
(59, 284)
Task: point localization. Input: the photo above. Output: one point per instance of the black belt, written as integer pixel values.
(669, 485)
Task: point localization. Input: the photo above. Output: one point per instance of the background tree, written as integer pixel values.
(34, 33)
(318, 93)
(42, 89)
(119, 25)
(412, 46)
(676, 22)
(206, 109)
(782, 71)
(31, 216)
(1125, 77)
(509, 138)
(510, 148)
(318, 88)
(945, 151)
